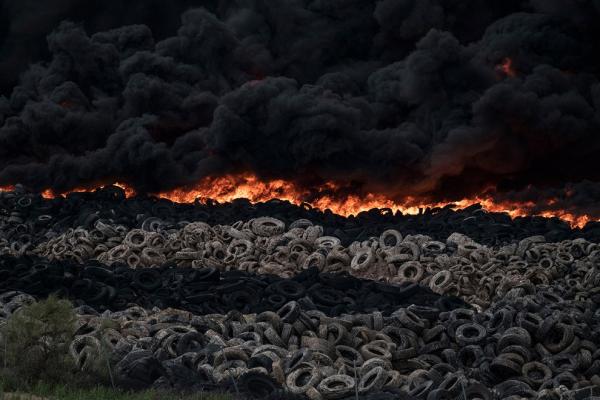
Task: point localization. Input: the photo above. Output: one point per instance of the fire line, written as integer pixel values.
(228, 188)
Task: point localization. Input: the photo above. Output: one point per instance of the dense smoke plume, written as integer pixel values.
(432, 99)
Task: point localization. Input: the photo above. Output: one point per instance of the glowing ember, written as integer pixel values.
(507, 67)
(9, 188)
(228, 188)
(50, 194)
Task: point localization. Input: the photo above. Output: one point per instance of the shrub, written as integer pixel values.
(36, 341)
(103, 364)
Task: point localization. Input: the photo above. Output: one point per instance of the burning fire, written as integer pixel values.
(507, 67)
(228, 188)
(51, 194)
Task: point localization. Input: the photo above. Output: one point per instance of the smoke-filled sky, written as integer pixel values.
(440, 99)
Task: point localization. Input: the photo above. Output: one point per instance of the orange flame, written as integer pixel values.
(228, 188)
(507, 67)
(51, 194)
(248, 186)
(8, 188)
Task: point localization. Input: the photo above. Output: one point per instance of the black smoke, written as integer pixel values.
(404, 97)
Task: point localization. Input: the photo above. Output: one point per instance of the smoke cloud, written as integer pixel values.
(432, 99)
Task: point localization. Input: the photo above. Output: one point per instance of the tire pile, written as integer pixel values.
(209, 291)
(281, 306)
(38, 217)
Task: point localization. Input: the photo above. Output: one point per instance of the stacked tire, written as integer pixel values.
(211, 297)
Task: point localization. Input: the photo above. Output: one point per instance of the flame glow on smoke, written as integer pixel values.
(248, 186)
(507, 67)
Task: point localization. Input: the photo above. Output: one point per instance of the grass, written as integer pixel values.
(63, 392)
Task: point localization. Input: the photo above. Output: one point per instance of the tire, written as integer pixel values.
(409, 320)
(81, 288)
(449, 303)
(309, 376)
(275, 301)
(138, 370)
(401, 291)
(536, 373)
(257, 385)
(421, 391)
(300, 356)
(99, 273)
(208, 274)
(513, 387)
(470, 333)
(147, 279)
(326, 296)
(429, 313)
(341, 281)
(191, 342)
(336, 386)
(289, 312)
(372, 380)
(290, 289)
(504, 368)
(242, 300)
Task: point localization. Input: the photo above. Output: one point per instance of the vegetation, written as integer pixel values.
(35, 343)
(36, 365)
(42, 391)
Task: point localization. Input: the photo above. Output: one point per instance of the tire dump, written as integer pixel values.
(301, 199)
(308, 306)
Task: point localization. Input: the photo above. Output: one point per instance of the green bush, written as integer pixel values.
(101, 367)
(36, 341)
(35, 359)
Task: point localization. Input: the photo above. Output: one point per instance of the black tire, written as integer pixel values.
(275, 301)
(536, 373)
(138, 370)
(289, 289)
(478, 391)
(81, 288)
(289, 312)
(147, 279)
(204, 275)
(429, 313)
(470, 333)
(256, 385)
(191, 342)
(449, 303)
(242, 300)
(401, 291)
(339, 281)
(326, 296)
(514, 387)
(231, 286)
(504, 368)
(101, 274)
